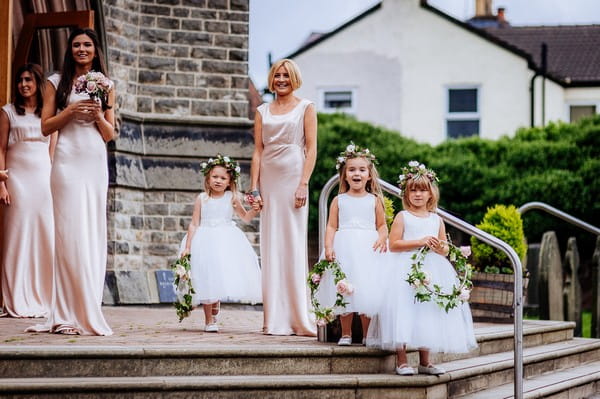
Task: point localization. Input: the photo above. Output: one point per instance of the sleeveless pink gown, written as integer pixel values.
(283, 228)
(28, 243)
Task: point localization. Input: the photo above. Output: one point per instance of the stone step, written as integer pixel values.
(142, 361)
(464, 377)
(573, 383)
(66, 361)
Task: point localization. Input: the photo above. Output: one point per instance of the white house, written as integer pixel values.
(408, 66)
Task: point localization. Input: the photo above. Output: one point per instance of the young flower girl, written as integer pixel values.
(224, 266)
(403, 321)
(356, 236)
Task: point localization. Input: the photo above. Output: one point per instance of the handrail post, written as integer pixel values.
(474, 231)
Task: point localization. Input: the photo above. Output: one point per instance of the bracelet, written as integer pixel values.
(255, 193)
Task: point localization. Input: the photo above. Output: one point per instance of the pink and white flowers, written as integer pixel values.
(95, 85)
(343, 287)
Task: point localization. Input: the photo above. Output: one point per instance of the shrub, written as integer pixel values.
(503, 222)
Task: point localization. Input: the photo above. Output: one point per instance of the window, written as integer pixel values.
(576, 112)
(337, 100)
(462, 117)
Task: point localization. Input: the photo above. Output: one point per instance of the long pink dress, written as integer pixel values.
(283, 228)
(28, 245)
(79, 182)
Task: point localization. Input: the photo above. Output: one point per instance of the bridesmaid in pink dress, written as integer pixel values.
(28, 226)
(285, 151)
(79, 181)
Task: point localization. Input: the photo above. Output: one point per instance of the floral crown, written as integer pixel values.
(354, 151)
(228, 163)
(415, 171)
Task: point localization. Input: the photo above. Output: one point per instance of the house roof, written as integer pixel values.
(316, 38)
(573, 55)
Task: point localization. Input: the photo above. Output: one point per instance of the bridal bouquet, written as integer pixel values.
(94, 84)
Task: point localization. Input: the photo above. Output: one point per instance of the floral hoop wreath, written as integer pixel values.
(343, 288)
(228, 163)
(421, 280)
(354, 151)
(182, 271)
(415, 170)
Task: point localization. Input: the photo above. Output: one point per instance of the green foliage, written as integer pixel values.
(389, 211)
(558, 164)
(503, 222)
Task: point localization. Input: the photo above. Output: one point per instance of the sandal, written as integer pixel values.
(68, 331)
(431, 370)
(403, 369)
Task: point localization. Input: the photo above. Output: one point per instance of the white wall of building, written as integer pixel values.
(401, 60)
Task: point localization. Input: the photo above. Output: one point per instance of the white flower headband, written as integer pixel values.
(415, 171)
(228, 163)
(354, 151)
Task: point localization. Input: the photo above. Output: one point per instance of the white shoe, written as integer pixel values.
(345, 341)
(431, 370)
(405, 370)
(212, 327)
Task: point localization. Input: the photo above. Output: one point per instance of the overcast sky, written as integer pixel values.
(280, 26)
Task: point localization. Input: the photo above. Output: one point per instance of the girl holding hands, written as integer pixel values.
(224, 265)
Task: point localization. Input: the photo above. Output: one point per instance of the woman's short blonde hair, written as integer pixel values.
(293, 71)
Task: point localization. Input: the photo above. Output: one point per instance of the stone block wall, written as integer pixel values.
(179, 57)
(180, 68)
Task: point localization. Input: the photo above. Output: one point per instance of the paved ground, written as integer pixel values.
(158, 325)
(155, 325)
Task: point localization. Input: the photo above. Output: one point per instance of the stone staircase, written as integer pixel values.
(556, 365)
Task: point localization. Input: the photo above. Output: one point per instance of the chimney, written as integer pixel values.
(483, 8)
(501, 19)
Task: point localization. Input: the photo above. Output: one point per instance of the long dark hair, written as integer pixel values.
(18, 101)
(68, 70)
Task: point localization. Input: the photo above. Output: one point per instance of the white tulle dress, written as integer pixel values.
(402, 320)
(353, 247)
(224, 265)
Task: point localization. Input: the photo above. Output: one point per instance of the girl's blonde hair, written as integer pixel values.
(232, 183)
(421, 182)
(372, 185)
(293, 71)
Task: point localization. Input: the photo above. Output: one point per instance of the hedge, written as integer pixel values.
(557, 164)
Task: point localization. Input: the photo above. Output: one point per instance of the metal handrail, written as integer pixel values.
(559, 214)
(474, 231)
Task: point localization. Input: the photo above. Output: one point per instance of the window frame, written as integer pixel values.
(580, 103)
(347, 110)
(462, 116)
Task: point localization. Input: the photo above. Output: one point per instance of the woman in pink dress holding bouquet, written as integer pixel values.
(83, 115)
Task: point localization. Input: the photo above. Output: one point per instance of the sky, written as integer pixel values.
(281, 26)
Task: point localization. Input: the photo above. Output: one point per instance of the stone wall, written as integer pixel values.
(180, 68)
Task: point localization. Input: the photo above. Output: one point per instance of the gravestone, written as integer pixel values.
(166, 289)
(572, 288)
(551, 279)
(532, 263)
(596, 290)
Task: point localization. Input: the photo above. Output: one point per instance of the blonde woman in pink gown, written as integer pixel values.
(28, 226)
(285, 139)
(79, 181)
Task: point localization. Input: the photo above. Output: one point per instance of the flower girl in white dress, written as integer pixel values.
(224, 266)
(356, 236)
(404, 321)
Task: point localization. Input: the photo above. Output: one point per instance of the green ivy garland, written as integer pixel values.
(182, 272)
(325, 314)
(424, 292)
